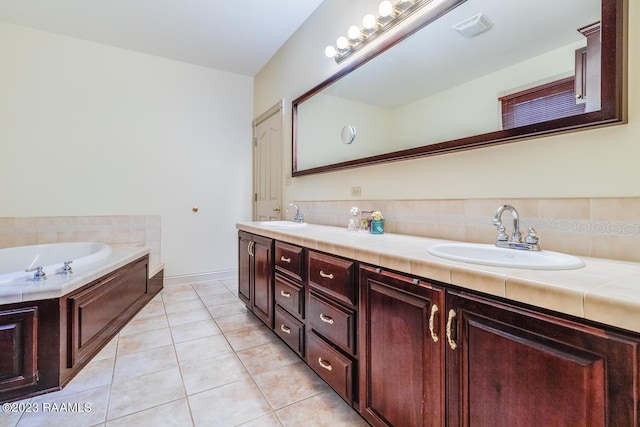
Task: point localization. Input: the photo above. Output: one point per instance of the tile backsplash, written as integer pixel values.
(113, 229)
(595, 227)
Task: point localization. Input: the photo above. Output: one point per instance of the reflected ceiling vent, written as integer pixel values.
(473, 26)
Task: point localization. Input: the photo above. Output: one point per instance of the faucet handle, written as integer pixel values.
(502, 235)
(532, 236)
(66, 269)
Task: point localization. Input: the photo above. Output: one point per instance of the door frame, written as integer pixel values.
(277, 108)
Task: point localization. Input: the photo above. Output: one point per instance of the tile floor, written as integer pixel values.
(194, 356)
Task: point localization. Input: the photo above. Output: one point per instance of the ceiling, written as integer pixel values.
(234, 36)
(441, 58)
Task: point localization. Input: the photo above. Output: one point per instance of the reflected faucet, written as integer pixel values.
(515, 242)
(298, 217)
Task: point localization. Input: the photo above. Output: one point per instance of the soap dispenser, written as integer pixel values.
(355, 215)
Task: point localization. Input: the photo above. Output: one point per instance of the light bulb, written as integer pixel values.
(342, 42)
(330, 51)
(385, 8)
(369, 22)
(353, 32)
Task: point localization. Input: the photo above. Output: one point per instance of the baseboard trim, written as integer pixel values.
(199, 277)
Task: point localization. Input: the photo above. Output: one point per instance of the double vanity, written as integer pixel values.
(418, 331)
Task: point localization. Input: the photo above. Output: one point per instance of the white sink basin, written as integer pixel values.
(287, 224)
(484, 254)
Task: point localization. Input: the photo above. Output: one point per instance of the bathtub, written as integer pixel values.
(51, 256)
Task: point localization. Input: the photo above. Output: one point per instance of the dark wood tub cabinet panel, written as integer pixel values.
(29, 337)
(45, 343)
(99, 310)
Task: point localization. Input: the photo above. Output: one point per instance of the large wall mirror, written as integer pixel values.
(544, 66)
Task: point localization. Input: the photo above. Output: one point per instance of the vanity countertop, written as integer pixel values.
(605, 291)
(56, 286)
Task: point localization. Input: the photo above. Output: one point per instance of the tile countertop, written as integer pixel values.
(58, 285)
(605, 291)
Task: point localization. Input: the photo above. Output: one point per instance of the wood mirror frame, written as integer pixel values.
(612, 111)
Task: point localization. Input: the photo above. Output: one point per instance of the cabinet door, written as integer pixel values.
(401, 359)
(508, 366)
(262, 301)
(245, 267)
(18, 348)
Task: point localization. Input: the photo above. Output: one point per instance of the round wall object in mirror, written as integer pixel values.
(348, 134)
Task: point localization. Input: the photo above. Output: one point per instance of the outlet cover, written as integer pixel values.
(356, 192)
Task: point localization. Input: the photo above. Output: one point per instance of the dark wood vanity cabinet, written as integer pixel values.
(402, 358)
(290, 295)
(332, 322)
(407, 351)
(509, 366)
(255, 275)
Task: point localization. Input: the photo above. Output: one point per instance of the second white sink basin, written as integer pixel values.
(484, 254)
(288, 224)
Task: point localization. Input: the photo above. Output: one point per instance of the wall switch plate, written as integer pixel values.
(356, 192)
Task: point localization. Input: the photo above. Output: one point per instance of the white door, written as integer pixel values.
(267, 164)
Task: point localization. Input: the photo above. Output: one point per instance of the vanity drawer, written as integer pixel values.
(333, 275)
(290, 260)
(290, 296)
(335, 323)
(336, 369)
(290, 330)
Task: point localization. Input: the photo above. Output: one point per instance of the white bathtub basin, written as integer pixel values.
(52, 256)
(484, 254)
(287, 224)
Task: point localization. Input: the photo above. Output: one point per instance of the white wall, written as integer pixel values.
(87, 129)
(594, 163)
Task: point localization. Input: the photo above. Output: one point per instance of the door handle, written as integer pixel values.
(276, 210)
(452, 343)
(434, 310)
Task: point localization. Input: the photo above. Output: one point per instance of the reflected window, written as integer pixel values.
(540, 104)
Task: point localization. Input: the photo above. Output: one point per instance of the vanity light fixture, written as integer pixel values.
(389, 15)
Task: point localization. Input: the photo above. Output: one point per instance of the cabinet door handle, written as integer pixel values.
(285, 294)
(285, 259)
(250, 248)
(434, 310)
(326, 319)
(325, 365)
(452, 343)
(326, 275)
(285, 329)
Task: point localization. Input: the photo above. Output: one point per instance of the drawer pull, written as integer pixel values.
(452, 343)
(285, 294)
(326, 275)
(325, 365)
(326, 319)
(285, 259)
(434, 310)
(285, 329)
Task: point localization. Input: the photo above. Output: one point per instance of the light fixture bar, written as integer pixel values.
(389, 15)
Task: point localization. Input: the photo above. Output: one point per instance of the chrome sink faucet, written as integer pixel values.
(298, 217)
(515, 242)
